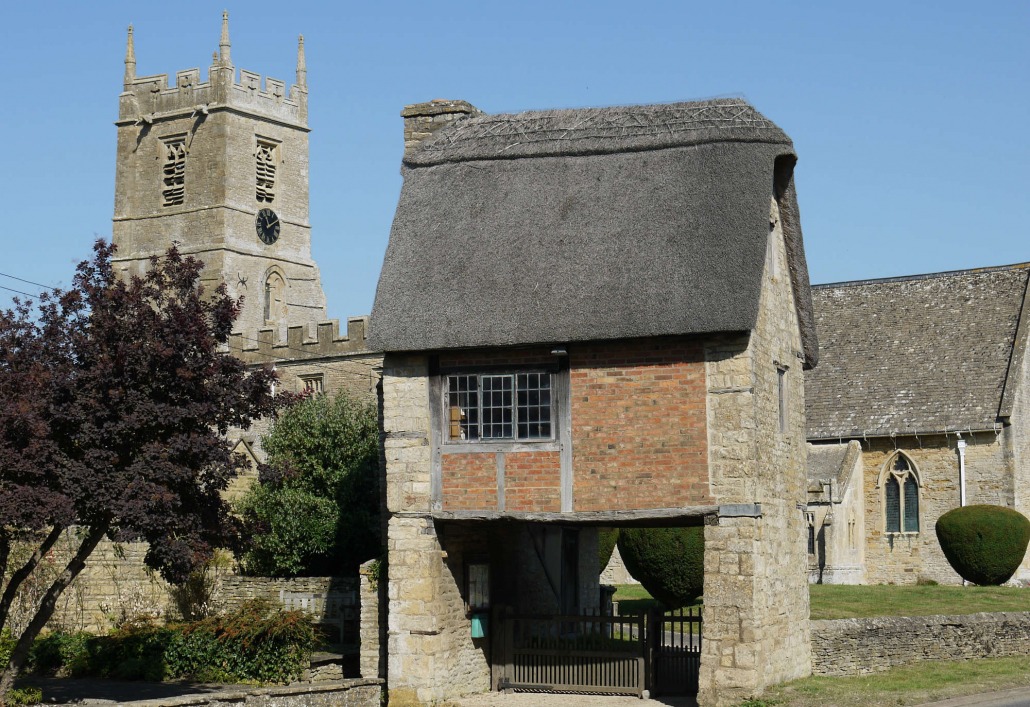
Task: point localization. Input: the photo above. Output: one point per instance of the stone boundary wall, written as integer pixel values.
(858, 646)
(332, 601)
(359, 692)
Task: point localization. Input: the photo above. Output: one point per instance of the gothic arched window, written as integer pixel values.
(900, 496)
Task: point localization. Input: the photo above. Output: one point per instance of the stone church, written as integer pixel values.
(919, 405)
(219, 167)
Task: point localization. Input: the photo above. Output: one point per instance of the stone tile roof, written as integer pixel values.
(917, 354)
(825, 461)
(831, 463)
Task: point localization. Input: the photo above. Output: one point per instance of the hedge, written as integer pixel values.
(668, 562)
(984, 544)
(253, 644)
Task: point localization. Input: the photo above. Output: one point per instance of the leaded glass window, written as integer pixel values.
(901, 497)
(499, 407)
(892, 494)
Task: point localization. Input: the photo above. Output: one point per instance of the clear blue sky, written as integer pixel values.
(908, 117)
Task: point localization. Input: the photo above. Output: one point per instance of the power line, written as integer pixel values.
(28, 282)
(20, 292)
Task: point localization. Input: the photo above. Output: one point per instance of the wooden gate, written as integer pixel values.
(569, 653)
(675, 651)
(615, 655)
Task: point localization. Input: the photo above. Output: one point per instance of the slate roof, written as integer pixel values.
(587, 224)
(921, 354)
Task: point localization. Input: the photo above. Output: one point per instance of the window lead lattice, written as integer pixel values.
(265, 168)
(173, 191)
(499, 406)
(901, 497)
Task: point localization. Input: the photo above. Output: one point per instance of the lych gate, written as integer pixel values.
(530, 394)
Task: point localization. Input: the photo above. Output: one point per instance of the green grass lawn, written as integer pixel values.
(839, 601)
(907, 685)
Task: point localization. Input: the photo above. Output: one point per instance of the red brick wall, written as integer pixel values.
(469, 482)
(532, 481)
(639, 428)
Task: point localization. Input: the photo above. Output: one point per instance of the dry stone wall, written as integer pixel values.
(341, 693)
(858, 646)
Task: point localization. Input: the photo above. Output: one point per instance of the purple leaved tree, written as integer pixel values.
(116, 397)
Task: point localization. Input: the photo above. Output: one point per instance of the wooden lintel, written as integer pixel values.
(691, 515)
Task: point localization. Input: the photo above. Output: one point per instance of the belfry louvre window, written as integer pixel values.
(173, 183)
(901, 497)
(265, 168)
(499, 406)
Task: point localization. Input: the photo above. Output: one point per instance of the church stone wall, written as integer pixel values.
(905, 558)
(1017, 438)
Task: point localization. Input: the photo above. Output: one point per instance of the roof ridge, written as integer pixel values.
(923, 276)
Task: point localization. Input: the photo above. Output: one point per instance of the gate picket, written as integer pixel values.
(599, 654)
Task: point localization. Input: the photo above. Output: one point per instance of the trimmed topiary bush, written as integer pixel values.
(984, 544)
(606, 539)
(669, 562)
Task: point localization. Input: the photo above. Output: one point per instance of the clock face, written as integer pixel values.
(267, 226)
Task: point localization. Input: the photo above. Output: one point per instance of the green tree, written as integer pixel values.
(315, 509)
(668, 562)
(984, 544)
(116, 398)
(606, 539)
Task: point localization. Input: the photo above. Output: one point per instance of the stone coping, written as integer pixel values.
(240, 695)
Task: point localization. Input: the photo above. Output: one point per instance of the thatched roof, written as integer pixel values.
(916, 355)
(590, 224)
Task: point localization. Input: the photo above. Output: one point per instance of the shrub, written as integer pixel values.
(254, 643)
(315, 510)
(63, 653)
(669, 562)
(257, 643)
(606, 539)
(6, 646)
(984, 544)
(24, 696)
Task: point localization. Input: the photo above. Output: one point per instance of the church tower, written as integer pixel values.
(220, 168)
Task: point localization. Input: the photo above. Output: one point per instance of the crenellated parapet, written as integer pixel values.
(316, 343)
(146, 99)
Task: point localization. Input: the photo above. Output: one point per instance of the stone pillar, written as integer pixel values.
(432, 657)
(371, 579)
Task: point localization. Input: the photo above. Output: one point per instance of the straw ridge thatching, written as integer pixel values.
(597, 130)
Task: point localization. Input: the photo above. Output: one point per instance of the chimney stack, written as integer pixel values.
(421, 120)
